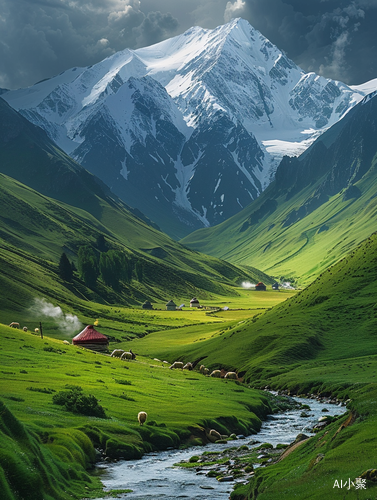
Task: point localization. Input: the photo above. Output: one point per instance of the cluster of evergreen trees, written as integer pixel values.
(112, 266)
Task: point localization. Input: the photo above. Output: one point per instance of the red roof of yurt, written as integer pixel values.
(91, 336)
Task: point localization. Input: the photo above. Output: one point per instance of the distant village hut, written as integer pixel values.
(170, 306)
(275, 286)
(147, 305)
(194, 302)
(91, 339)
(260, 287)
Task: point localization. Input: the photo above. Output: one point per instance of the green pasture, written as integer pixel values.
(29, 361)
(302, 249)
(180, 405)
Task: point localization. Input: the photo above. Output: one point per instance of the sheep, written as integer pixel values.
(216, 373)
(66, 342)
(117, 353)
(14, 325)
(142, 417)
(203, 370)
(36, 330)
(213, 435)
(24, 328)
(128, 355)
(231, 375)
(188, 366)
(176, 364)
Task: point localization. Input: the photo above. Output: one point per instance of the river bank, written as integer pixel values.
(193, 473)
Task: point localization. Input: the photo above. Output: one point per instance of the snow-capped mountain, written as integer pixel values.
(190, 129)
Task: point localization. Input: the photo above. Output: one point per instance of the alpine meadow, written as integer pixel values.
(188, 253)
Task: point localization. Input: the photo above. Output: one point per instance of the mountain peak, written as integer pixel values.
(193, 126)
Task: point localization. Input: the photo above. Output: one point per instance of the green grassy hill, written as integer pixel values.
(46, 449)
(320, 205)
(333, 323)
(320, 341)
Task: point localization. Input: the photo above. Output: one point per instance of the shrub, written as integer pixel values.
(75, 401)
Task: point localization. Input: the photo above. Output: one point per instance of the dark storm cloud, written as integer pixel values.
(155, 27)
(334, 38)
(40, 38)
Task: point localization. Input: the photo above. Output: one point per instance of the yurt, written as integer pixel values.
(260, 287)
(91, 339)
(171, 306)
(194, 302)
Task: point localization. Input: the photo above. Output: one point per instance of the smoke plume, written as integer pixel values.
(67, 323)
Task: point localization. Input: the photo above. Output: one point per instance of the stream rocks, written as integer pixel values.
(235, 463)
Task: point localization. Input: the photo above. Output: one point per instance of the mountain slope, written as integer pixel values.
(189, 130)
(320, 205)
(35, 229)
(333, 321)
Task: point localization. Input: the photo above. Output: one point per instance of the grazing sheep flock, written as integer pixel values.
(142, 417)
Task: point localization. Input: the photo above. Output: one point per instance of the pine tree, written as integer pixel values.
(65, 268)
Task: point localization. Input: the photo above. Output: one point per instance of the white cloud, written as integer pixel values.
(234, 9)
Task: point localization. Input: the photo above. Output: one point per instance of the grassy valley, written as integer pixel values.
(60, 403)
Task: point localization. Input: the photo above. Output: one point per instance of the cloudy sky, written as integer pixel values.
(41, 38)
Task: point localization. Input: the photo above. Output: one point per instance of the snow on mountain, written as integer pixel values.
(191, 128)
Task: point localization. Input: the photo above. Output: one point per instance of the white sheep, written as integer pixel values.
(203, 370)
(24, 328)
(14, 325)
(231, 375)
(66, 342)
(117, 353)
(128, 355)
(142, 417)
(36, 330)
(213, 435)
(188, 366)
(216, 374)
(176, 364)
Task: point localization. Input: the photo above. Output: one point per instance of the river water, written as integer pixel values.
(154, 476)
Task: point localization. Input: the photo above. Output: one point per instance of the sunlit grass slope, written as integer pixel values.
(301, 250)
(47, 440)
(330, 322)
(35, 230)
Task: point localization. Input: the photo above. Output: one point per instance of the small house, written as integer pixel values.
(170, 306)
(147, 305)
(91, 339)
(194, 302)
(260, 287)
